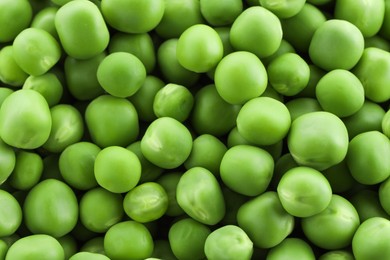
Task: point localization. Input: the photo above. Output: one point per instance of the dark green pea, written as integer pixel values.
(51, 168)
(339, 177)
(28, 170)
(162, 250)
(383, 192)
(8, 156)
(285, 47)
(44, 19)
(385, 28)
(235, 138)
(219, 13)
(69, 245)
(282, 165)
(9, 11)
(169, 182)
(3, 249)
(233, 202)
(10, 214)
(10, 72)
(301, 106)
(48, 85)
(367, 204)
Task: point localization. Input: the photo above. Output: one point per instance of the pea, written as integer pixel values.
(228, 242)
(54, 215)
(339, 177)
(383, 192)
(315, 75)
(187, 239)
(11, 214)
(349, 49)
(94, 245)
(69, 245)
(34, 247)
(51, 168)
(25, 120)
(367, 204)
(8, 161)
(263, 121)
(219, 13)
(235, 138)
(282, 165)
(44, 19)
(4, 93)
(195, 199)
(3, 249)
(293, 248)
(370, 239)
(88, 256)
(106, 130)
(276, 223)
(28, 170)
(337, 255)
(10, 72)
(256, 30)
(283, 9)
(166, 143)
(377, 42)
(285, 47)
(81, 42)
(9, 26)
(137, 242)
(169, 182)
(117, 169)
(301, 106)
(384, 31)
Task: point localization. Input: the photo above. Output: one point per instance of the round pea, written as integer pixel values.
(10, 72)
(367, 204)
(337, 255)
(300, 106)
(220, 12)
(339, 177)
(169, 182)
(3, 249)
(28, 170)
(283, 9)
(88, 256)
(10, 214)
(44, 19)
(9, 10)
(94, 245)
(285, 47)
(383, 192)
(8, 160)
(48, 85)
(291, 247)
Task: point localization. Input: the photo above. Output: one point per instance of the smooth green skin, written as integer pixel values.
(367, 16)
(368, 118)
(299, 29)
(199, 48)
(121, 74)
(36, 247)
(239, 77)
(88, 256)
(169, 182)
(67, 128)
(48, 85)
(288, 74)
(195, 199)
(371, 239)
(340, 92)
(334, 227)
(81, 42)
(10, 214)
(46, 54)
(140, 45)
(339, 177)
(255, 169)
(117, 169)
(228, 242)
(285, 47)
(349, 49)
(275, 225)
(384, 195)
(224, 34)
(282, 165)
(220, 12)
(263, 121)
(373, 71)
(385, 29)
(318, 140)
(162, 250)
(25, 120)
(3, 249)
(235, 138)
(211, 114)
(304, 191)
(300, 106)
(28, 170)
(51, 168)
(81, 77)
(283, 9)
(69, 244)
(146, 202)
(4, 93)
(10, 72)
(386, 124)
(187, 239)
(44, 19)
(365, 157)
(94, 245)
(315, 75)
(145, 15)
(136, 241)
(174, 101)
(55, 215)
(291, 248)
(76, 165)
(106, 130)
(7, 161)
(166, 143)
(378, 42)
(9, 26)
(367, 204)
(100, 209)
(143, 99)
(256, 30)
(207, 152)
(337, 255)
(233, 202)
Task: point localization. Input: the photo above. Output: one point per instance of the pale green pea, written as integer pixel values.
(28, 170)
(315, 75)
(337, 255)
(10, 72)
(88, 256)
(285, 47)
(48, 85)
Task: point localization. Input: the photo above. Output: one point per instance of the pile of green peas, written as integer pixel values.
(194, 129)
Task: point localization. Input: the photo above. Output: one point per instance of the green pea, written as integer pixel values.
(162, 250)
(282, 165)
(372, 70)
(28, 170)
(383, 192)
(169, 182)
(100, 209)
(11, 9)
(283, 9)
(117, 169)
(318, 140)
(10, 214)
(339, 177)
(275, 225)
(106, 130)
(174, 101)
(51, 168)
(348, 50)
(3, 249)
(25, 120)
(291, 248)
(60, 2)
(365, 157)
(228, 242)
(256, 30)
(94, 245)
(187, 239)
(55, 215)
(8, 161)
(334, 227)
(377, 42)
(263, 121)
(48, 85)
(219, 12)
(367, 204)
(140, 45)
(81, 42)
(44, 19)
(88, 256)
(256, 169)
(385, 28)
(337, 255)
(315, 75)
(34, 247)
(235, 138)
(137, 242)
(10, 72)
(370, 239)
(195, 199)
(211, 114)
(340, 92)
(69, 245)
(285, 47)
(166, 143)
(301, 106)
(239, 77)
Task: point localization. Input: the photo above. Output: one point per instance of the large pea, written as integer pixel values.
(9, 10)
